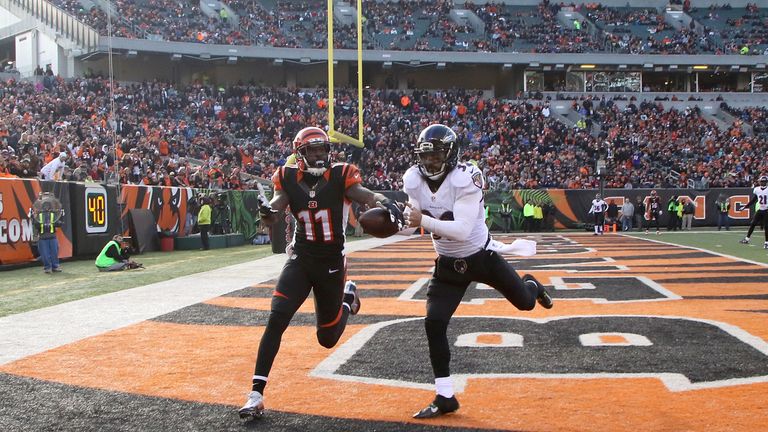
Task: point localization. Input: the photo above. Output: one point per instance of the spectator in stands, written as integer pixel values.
(54, 170)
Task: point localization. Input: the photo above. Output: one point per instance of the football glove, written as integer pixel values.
(264, 208)
(394, 212)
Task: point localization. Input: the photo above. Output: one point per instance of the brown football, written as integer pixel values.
(378, 223)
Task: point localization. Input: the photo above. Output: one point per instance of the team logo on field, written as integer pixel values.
(683, 353)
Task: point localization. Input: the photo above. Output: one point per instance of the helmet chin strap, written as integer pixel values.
(318, 170)
(434, 176)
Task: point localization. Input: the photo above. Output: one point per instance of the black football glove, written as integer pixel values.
(394, 212)
(264, 208)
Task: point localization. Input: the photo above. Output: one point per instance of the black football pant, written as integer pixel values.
(760, 218)
(449, 282)
(300, 275)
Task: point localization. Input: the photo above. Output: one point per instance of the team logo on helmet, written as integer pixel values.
(312, 137)
(436, 139)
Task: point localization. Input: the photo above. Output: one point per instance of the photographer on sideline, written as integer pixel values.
(114, 256)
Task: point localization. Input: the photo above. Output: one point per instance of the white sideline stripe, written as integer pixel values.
(36, 331)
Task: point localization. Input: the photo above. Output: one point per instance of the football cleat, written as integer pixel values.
(253, 408)
(543, 297)
(440, 406)
(745, 240)
(765, 245)
(351, 298)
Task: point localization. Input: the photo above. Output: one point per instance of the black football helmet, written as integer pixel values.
(433, 139)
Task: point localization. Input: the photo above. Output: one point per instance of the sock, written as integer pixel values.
(596, 228)
(259, 382)
(444, 386)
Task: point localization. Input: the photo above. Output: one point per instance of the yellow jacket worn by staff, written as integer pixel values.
(204, 216)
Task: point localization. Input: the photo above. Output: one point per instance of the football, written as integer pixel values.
(378, 223)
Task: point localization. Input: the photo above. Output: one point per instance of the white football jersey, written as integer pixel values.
(465, 181)
(762, 197)
(598, 206)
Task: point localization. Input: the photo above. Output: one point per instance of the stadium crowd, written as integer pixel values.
(223, 138)
(427, 25)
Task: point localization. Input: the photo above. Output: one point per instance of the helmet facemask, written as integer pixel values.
(314, 158)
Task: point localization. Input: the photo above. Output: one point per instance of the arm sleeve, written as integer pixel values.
(351, 176)
(464, 214)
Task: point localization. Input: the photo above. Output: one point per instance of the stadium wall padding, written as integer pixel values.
(571, 207)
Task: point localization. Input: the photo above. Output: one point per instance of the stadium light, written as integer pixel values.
(176, 57)
(734, 67)
(277, 62)
(700, 67)
(623, 67)
(648, 65)
(506, 67)
(560, 66)
(587, 66)
(441, 65)
(131, 53)
(231, 60)
(672, 67)
(534, 64)
(386, 65)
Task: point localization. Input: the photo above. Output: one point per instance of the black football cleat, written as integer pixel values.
(543, 297)
(440, 406)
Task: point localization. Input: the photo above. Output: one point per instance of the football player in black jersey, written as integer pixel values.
(319, 195)
(654, 211)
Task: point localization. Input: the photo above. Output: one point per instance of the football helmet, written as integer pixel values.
(763, 181)
(598, 196)
(437, 150)
(312, 161)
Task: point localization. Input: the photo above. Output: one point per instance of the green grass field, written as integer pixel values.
(723, 242)
(29, 288)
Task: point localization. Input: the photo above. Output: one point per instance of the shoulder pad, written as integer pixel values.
(411, 178)
(465, 174)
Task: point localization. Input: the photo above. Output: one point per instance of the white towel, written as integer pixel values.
(520, 247)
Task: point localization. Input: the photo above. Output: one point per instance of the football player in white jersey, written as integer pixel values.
(446, 198)
(759, 196)
(598, 209)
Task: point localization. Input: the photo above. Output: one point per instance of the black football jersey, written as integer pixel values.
(319, 207)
